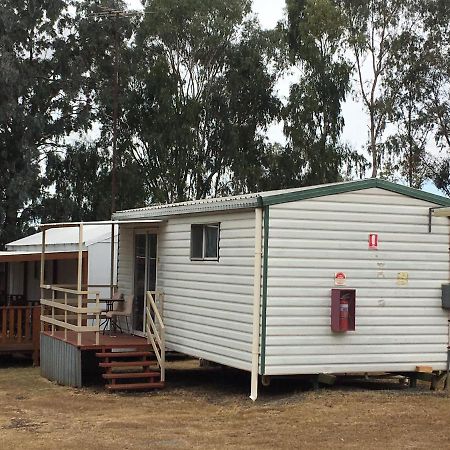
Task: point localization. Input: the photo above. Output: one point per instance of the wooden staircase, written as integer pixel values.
(130, 370)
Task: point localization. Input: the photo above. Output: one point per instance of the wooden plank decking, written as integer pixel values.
(118, 340)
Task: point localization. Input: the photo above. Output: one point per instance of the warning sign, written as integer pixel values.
(373, 241)
(402, 278)
(340, 278)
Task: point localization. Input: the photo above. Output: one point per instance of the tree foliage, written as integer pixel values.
(314, 119)
(199, 98)
(372, 28)
(36, 103)
(197, 94)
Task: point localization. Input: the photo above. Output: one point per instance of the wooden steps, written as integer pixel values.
(134, 386)
(129, 370)
(127, 364)
(118, 376)
(124, 354)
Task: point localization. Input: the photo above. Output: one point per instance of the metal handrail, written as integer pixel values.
(154, 337)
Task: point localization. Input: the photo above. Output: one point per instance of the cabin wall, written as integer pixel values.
(397, 326)
(125, 265)
(208, 304)
(99, 267)
(34, 274)
(16, 278)
(66, 272)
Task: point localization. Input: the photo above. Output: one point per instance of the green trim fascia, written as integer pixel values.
(414, 193)
(264, 290)
(351, 186)
(259, 201)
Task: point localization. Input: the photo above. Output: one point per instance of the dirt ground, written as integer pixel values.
(209, 408)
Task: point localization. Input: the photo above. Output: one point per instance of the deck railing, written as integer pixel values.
(71, 310)
(156, 331)
(19, 329)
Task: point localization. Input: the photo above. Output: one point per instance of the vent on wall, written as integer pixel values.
(446, 296)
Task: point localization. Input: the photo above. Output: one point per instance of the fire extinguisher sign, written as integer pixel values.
(339, 278)
(373, 241)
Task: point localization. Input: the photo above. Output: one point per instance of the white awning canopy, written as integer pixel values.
(104, 222)
(24, 256)
(150, 223)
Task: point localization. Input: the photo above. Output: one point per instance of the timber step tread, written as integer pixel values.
(134, 386)
(116, 376)
(123, 354)
(127, 364)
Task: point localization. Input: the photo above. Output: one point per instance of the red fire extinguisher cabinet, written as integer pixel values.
(343, 310)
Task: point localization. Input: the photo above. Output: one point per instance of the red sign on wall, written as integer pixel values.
(339, 278)
(373, 241)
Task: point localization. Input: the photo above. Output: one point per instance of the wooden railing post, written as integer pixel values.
(29, 322)
(53, 313)
(19, 325)
(65, 316)
(10, 331)
(79, 318)
(97, 318)
(3, 314)
(35, 332)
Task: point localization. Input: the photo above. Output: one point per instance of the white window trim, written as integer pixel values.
(204, 226)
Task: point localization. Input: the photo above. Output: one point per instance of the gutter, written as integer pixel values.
(256, 302)
(264, 290)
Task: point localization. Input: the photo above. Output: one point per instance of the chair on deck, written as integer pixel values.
(122, 309)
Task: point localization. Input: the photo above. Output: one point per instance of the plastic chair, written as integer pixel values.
(124, 309)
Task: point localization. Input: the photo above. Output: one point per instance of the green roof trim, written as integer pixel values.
(351, 186)
(264, 291)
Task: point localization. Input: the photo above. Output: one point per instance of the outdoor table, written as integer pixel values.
(110, 307)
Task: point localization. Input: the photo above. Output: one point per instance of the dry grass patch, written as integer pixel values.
(209, 408)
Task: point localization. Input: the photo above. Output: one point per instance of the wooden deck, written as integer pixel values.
(19, 330)
(107, 341)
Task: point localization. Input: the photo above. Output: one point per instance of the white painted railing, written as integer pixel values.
(156, 331)
(71, 310)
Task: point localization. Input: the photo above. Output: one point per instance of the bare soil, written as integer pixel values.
(209, 408)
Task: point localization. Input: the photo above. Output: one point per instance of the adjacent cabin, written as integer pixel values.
(20, 290)
(329, 279)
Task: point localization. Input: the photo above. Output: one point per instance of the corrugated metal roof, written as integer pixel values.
(273, 197)
(209, 204)
(194, 206)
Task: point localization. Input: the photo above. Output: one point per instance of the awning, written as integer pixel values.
(34, 256)
(150, 222)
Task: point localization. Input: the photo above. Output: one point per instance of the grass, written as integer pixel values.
(209, 408)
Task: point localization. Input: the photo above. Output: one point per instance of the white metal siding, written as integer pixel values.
(208, 304)
(99, 267)
(397, 327)
(125, 268)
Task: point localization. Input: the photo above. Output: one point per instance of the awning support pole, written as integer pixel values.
(42, 279)
(111, 289)
(80, 277)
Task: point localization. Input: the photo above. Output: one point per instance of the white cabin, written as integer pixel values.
(20, 264)
(247, 280)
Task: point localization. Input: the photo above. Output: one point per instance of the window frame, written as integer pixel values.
(204, 226)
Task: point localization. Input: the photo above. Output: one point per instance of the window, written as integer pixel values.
(205, 242)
